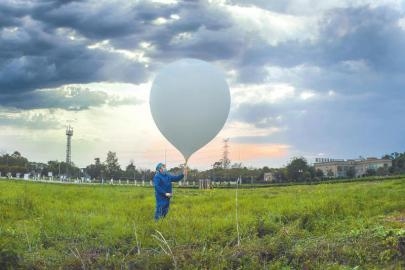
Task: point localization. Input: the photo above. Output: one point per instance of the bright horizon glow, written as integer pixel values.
(129, 131)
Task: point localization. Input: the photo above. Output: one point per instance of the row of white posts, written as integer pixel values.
(202, 183)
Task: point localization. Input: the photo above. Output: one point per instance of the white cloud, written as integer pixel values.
(309, 7)
(135, 55)
(271, 93)
(139, 92)
(161, 20)
(73, 35)
(268, 93)
(274, 27)
(181, 37)
(401, 23)
(175, 16)
(28, 120)
(356, 65)
(331, 93)
(294, 74)
(167, 2)
(307, 95)
(241, 129)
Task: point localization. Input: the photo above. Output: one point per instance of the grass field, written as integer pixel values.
(359, 225)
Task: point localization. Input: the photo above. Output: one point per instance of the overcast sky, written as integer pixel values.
(307, 78)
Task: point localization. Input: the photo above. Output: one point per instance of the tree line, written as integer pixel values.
(297, 170)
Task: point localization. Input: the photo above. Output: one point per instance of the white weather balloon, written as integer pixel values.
(190, 102)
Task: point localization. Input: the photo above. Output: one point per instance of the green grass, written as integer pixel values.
(358, 225)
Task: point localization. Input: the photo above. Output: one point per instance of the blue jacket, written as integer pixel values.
(163, 185)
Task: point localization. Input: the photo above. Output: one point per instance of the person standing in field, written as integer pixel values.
(162, 182)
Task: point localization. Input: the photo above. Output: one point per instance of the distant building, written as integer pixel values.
(345, 168)
(269, 177)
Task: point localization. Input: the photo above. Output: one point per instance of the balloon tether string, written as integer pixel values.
(185, 170)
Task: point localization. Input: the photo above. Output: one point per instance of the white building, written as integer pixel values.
(269, 177)
(342, 168)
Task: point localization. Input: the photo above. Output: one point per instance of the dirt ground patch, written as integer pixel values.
(397, 218)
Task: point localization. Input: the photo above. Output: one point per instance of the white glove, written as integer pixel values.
(168, 195)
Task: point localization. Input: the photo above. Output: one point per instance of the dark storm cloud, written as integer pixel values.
(40, 53)
(366, 33)
(358, 55)
(371, 35)
(101, 20)
(36, 121)
(63, 65)
(45, 44)
(255, 113)
(279, 6)
(207, 30)
(70, 98)
(203, 44)
(34, 54)
(11, 12)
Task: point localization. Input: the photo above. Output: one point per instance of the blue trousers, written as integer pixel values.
(161, 210)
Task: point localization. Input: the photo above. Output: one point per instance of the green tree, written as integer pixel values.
(14, 163)
(297, 170)
(382, 171)
(96, 170)
(113, 169)
(400, 163)
(370, 172)
(63, 169)
(330, 173)
(236, 165)
(280, 175)
(131, 172)
(53, 166)
(319, 173)
(217, 165)
(69, 170)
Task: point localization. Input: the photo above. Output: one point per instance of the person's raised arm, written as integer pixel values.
(176, 178)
